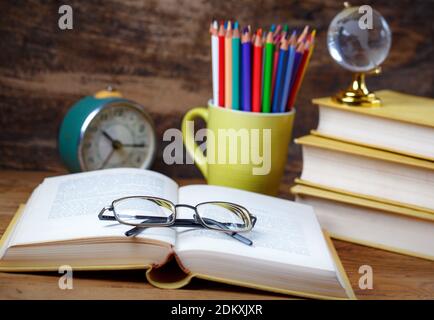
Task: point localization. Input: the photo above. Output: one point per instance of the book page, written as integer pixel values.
(285, 231)
(67, 207)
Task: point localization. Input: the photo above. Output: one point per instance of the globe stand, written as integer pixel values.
(357, 94)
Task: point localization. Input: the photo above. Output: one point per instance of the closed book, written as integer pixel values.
(403, 124)
(369, 222)
(368, 172)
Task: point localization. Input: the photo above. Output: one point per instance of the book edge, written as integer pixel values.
(327, 102)
(353, 199)
(315, 132)
(10, 228)
(362, 151)
(357, 195)
(340, 268)
(382, 247)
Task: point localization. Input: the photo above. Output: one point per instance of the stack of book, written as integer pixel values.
(369, 173)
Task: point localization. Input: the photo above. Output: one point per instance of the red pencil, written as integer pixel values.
(221, 36)
(275, 61)
(257, 72)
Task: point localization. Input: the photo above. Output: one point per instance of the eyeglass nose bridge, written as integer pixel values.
(195, 216)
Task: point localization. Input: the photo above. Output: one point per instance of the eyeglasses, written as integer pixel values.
(143, 212)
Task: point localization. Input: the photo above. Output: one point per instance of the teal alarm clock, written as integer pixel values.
(107, 131)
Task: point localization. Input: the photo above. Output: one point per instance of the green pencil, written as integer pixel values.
(268, 73)
(236, 68)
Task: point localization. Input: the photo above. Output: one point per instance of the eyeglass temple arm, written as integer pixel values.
(183, 222)
(190, 223)
(101, 215)
(234, 235)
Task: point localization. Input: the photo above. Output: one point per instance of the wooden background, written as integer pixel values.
(157, 53)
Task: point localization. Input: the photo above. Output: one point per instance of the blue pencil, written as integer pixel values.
(280, 76)
(246, 71)
(297, 59)
(288, 75)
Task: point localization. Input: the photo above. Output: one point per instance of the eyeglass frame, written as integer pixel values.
(197, 220)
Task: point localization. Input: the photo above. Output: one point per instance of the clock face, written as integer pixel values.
(119, 135)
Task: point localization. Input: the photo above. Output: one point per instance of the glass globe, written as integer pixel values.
(355, 47)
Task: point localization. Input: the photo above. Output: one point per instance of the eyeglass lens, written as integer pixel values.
(138, 210)
(222, 215)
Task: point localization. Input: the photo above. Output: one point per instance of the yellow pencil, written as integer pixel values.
(228, 66)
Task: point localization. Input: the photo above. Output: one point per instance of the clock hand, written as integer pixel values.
(116, 144)
(105, 134)
(107, 159)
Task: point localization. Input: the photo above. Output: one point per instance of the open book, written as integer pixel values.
(60, 226)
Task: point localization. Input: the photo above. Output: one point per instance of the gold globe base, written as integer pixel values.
(357, 94)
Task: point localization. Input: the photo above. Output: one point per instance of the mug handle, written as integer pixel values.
(188, 138)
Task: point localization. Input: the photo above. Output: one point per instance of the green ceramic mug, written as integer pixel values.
(244, 150)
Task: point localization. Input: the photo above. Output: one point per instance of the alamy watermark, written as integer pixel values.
(66, 20)
(65, 281)
(226, 146)
(366, 281)
(366, 20)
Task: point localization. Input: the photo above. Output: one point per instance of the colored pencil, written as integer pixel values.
(278, 35)
(288, 75)
(277, 31)
(263, 67)
(268, 72)
(285, 31)
(257, 72)
(246, 79)
(303, 35)
(280, 77)
(221, 64)
(236, 68)
(215, 61)
(297, 61)
(302, 69)
(228, 66)
(275, 61)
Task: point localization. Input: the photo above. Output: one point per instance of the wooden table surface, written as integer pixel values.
(395, 276)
